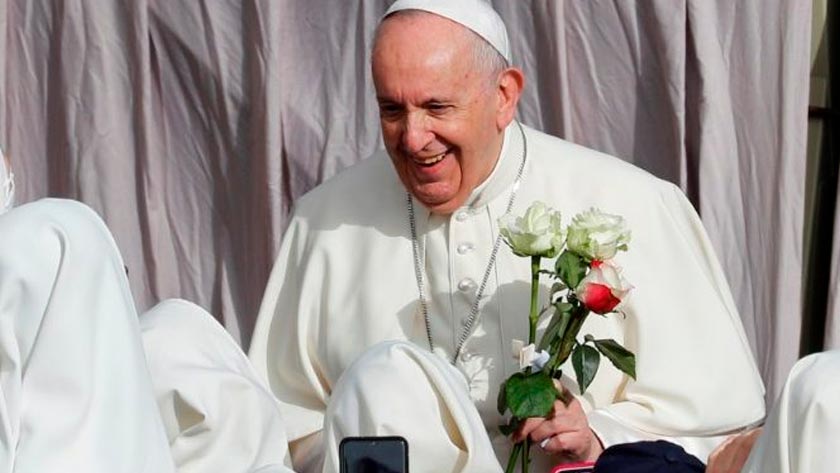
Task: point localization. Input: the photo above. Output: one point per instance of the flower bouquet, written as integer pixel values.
(585, 280)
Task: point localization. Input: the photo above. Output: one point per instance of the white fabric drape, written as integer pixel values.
(78, 383)
(217, 414)
(436, 416)
(802, 429)
(193, 126)
(75, 391)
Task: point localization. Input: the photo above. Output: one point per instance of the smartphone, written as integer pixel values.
(373, 455)
(582, 467)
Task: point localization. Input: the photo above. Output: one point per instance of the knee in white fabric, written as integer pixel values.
(27, 225)
(78, 384)
(398, 388)
(396, 372)
(41, 233)
(217, 413)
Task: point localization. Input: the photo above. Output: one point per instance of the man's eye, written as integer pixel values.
(438, 109)
(389, 110)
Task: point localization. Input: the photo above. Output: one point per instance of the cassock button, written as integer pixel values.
(462, 215)
(466, 284)
(465, 248)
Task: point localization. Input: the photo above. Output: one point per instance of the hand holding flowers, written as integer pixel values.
(586, 280)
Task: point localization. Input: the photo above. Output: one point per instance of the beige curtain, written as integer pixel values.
(193, 126)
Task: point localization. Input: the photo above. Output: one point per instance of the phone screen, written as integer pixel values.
(373, 455)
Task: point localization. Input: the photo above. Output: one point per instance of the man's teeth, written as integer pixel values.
(432, 160)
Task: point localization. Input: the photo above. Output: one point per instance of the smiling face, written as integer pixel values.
(442, 118)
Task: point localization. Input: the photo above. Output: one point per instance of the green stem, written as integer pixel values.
(526, 452)
(514, 454)
(534, 316)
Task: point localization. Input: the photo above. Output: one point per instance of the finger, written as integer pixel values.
(719, 459)
(558, 421)
(745, 445)
(550, 444)
(526, 428)
(543, 431)
(566, 396)
(739, 457)
(567, 446)
(563, 411)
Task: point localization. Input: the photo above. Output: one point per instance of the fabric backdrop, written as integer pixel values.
(192, 127)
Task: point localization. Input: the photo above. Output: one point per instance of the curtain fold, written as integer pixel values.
(192, 127)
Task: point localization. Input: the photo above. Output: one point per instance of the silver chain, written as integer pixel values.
(419, 263)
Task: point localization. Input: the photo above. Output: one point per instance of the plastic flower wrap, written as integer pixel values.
(586, 280)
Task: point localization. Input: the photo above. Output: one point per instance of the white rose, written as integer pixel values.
(537, 233)
(596, 235)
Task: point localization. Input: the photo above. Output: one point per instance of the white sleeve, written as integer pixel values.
(696, 378)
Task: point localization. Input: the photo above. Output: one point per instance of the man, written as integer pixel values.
(405, 247)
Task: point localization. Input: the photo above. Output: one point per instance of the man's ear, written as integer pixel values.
(510, 85)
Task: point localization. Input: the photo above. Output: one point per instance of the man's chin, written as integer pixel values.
(440, 206)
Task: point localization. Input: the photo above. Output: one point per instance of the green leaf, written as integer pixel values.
(557, 287)
(570, 268)
(564, 306)
(585, 360)
(509, 428)
(501, 400)
(622, 358)
(530, 395)
(557, 325)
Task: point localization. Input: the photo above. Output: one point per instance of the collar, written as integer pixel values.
(504, 173)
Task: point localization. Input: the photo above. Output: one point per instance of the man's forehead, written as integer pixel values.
(476, 15)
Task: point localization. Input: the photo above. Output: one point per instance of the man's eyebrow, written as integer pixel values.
(436, 101)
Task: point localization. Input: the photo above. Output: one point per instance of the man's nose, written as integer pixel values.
(416, 133)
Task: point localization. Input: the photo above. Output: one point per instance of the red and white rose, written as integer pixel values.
(603, 288)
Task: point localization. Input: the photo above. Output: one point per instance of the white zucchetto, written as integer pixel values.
(7, 185)
(477, 15)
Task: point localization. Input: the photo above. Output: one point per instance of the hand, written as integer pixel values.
(564, 432)
(730, 456)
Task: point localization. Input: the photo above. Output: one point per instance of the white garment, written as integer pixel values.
(7, 185)
(218, 416)
(803, 429)
(76, 395)
(344, 281)
(75, 391)
(370, 397)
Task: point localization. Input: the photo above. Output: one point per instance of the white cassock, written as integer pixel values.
(344, 281)
(76, 393)
(803, 429)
